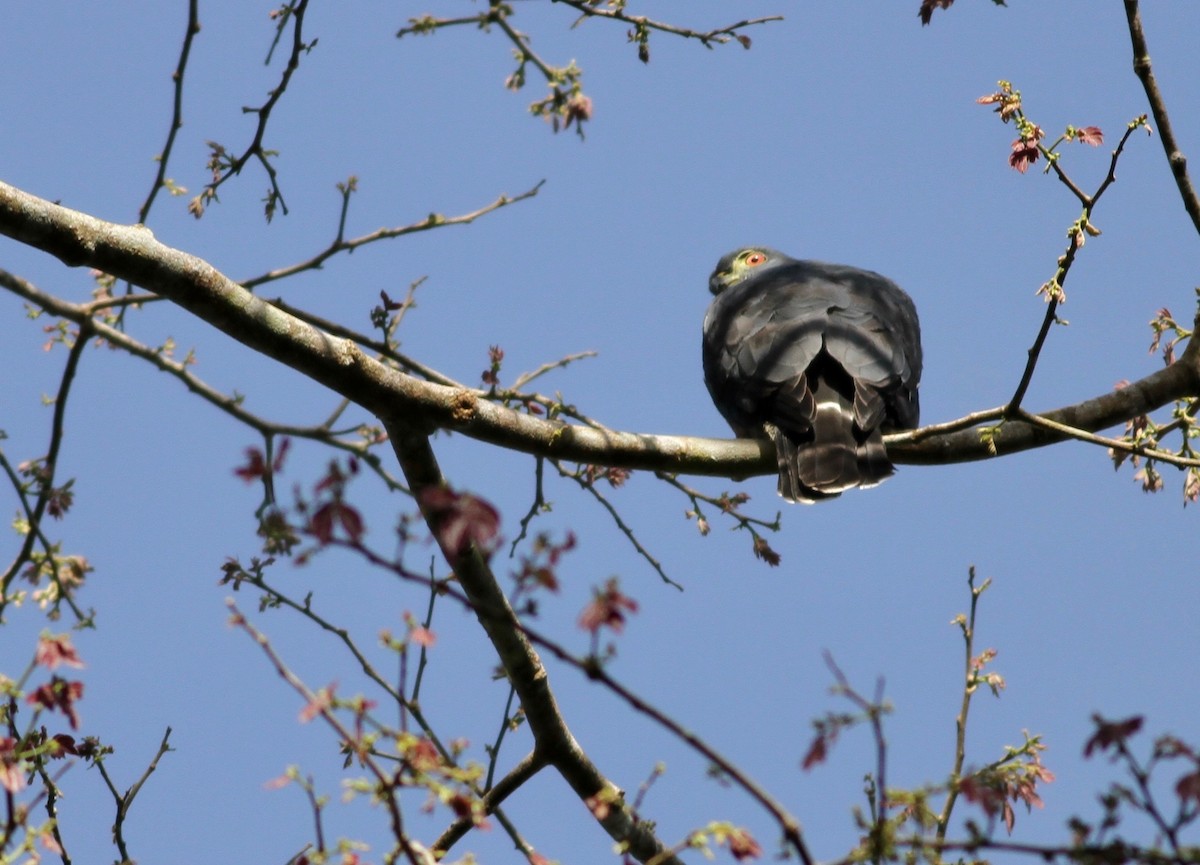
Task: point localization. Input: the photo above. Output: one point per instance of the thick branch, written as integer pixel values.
(554, 742)
(1179, 380)
(131, 253)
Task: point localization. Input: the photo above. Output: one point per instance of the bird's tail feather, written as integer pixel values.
(837, 458)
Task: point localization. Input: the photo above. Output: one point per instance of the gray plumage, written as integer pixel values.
(819, 358)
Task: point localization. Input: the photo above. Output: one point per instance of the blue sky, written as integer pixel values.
(847, 133)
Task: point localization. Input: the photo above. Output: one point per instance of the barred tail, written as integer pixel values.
(837, 458)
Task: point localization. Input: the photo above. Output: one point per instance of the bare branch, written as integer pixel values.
(513, 640)
(788, 824)
(408, 707)
(1158, 108)
(967, 625)
(125, 800)
(1104, 441)
(589, 486)
(132, 253)
(529, 765)
(1053, 289)
(536, 507)
(386, 789)
(231, 405)
(160, 179)
(45, 475)
(719, 35)
(224, 166)
(554, 740)
(339, 244)
(562, 362)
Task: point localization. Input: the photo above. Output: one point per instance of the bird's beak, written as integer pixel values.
(719, 281)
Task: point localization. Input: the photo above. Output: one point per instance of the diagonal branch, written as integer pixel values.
(45, 476)
(529, 765)
(232, 405)
(131, 253)
(340, 244)
(554, 742)
(1158, 107)
(1115, 444)
(789, 825)
(225, 166)
(720, 35)
(1053, 289)
(594, 670)
(160, 179)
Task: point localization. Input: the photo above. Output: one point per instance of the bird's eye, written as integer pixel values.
(754, 259)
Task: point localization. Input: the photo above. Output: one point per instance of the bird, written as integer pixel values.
(819, 358)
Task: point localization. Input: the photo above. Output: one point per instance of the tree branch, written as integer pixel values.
(225, 166)
(1053, 289)
(160, 179)
(554, 742)
(230, 404)
(530, 765)
(340, 244)
(720, 35)
(131, 253)
(1175, 157)
(44, 477)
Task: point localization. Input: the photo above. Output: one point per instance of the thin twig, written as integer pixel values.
(384, 784)
(343, 635)
(1148, 806)
(529, 765)
(538, 505)
(53, 794)
(408, 707)
(295, 13)
(521, 41)
(644, 788)
(494, 750)
(428, 23)
(724, 503)
(1053, 289)
(720, 35)
(423, 659)
(967, 626)
(590, 488)
(561, 363)
(45, 484)
(788, 824)
(339, 244)
(124, 801)
(1105, 441)
(935, 429)
(193, 27)
(81, 314)
(383, 349)
(874, 711)
(314, 803)
(1051, 316)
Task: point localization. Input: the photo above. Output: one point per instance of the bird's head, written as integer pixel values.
(736, 267)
